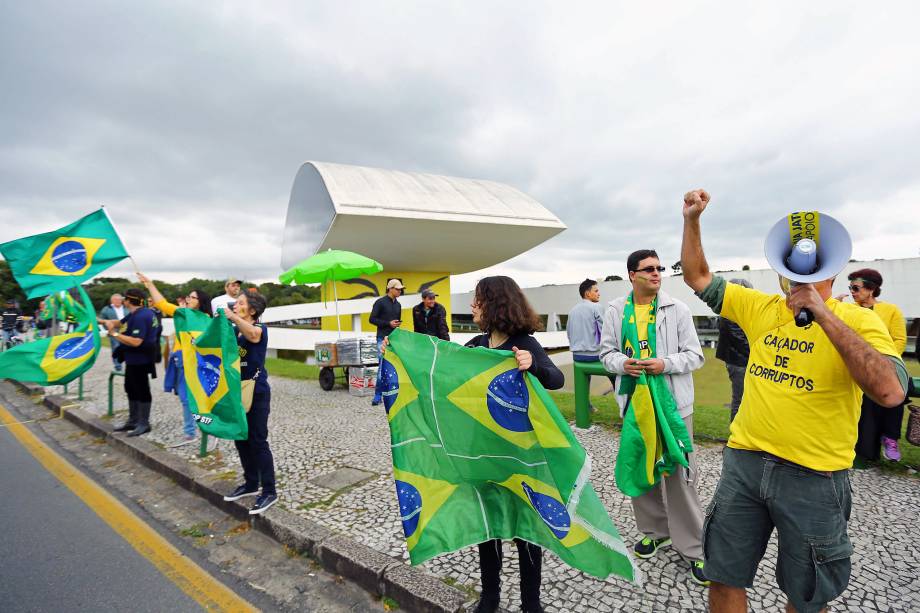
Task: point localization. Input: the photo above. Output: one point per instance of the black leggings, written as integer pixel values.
(255, 455)
(876, 421)
(530, 558)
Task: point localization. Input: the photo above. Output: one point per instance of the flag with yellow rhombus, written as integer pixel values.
(481, 452)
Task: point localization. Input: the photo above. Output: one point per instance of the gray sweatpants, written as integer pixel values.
(672, 508)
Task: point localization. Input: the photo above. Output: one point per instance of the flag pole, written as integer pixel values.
(117, 233)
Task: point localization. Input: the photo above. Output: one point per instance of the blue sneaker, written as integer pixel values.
(262, 504)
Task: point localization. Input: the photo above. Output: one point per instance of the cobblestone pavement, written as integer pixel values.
(313, 433)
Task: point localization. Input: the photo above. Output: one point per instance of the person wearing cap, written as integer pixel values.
(137, 333)
(429, 317)
(879, 427)
(226, 301)
(386, 314)
(791, 443)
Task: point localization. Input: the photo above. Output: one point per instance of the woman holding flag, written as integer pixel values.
(198, 300)
(503, 313)
(255, 454)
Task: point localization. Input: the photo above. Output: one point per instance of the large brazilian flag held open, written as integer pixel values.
(58, 260)
(481, 452)
(59, 359)
(211, 367)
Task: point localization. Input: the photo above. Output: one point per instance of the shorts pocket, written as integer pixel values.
(831, 563)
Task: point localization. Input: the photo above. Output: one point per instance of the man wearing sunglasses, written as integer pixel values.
(670, 513)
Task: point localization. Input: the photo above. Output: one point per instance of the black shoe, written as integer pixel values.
(262, 503)
(486, 605)
(141, 429)
(647, 547)
(241, 492)
(537, 608)
(376, 403)
(697, 573)
(125, 427)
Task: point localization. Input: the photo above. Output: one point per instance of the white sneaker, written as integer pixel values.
(185, 440)
(212, 443)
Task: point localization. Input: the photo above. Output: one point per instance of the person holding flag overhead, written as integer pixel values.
(650, 342)
(137, 333)
(255, 454)
(197, 300)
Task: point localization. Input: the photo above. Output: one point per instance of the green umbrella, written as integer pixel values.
(331, 265)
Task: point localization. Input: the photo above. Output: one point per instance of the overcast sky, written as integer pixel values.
(190, 120)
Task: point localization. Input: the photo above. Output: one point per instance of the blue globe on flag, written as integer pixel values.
(551, 511)
(410, 506)
(69, 256)
(208, 372)
(74, 348)
(508, 401)
(389, 384)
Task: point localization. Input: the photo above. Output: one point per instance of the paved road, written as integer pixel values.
(59, 555)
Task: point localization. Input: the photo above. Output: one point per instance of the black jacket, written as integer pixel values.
(733, 345)
(547, 373)
(384, 311)
(434, 323)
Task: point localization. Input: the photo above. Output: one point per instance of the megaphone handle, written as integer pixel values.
(804, 318)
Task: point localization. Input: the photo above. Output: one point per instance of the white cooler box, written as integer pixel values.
(361, 380)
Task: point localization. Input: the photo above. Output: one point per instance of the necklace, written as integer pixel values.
(493, 345)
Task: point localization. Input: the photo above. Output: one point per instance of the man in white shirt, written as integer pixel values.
(226, 301)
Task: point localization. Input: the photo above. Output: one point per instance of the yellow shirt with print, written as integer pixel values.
(642, 315)
(893, 319)
(800, 402)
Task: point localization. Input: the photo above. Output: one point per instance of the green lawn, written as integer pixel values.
(710, 417)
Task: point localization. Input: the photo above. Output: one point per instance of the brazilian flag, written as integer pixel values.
(211, 367)
(480, 452)
(60, 259)
(59, 359)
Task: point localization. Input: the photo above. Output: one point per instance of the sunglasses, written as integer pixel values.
(855, 288)
(650, 269)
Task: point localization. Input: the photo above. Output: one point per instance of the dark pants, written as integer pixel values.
(137, 383)
(255, 455)
(581, 357)
(736, 376)
(876, 421)
(490, 567)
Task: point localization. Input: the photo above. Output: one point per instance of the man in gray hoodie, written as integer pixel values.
(671, 512)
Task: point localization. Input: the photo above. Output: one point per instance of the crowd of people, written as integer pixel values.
(797, 417)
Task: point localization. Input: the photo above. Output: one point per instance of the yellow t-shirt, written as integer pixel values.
(800, 402)
(893, 319)
(642, 314)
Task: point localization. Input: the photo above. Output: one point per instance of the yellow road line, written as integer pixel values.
(211, 594)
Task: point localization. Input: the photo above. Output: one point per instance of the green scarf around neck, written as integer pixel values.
(654, 440)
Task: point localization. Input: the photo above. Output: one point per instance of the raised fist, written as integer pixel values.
(695, 203)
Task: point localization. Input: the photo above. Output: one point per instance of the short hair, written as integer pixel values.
(870, 277)
(136, 296)
(632, 262)
(585, 286)
(504, 307)
(256, 302)
(742, 283)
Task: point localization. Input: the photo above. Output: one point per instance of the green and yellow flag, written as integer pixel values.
(654, 440)
(481, 452)
(45, 263)
(211, 367)
(59, 359)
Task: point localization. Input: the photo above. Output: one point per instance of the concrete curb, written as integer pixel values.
(413, 589)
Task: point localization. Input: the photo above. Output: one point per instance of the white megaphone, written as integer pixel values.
(807, 247)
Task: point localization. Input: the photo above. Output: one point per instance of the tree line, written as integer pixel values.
(101, 289)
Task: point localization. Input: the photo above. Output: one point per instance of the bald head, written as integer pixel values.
(116, 300)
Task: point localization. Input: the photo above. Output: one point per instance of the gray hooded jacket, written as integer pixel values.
(676, 343)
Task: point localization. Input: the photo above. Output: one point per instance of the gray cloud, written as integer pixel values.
(190, 121)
